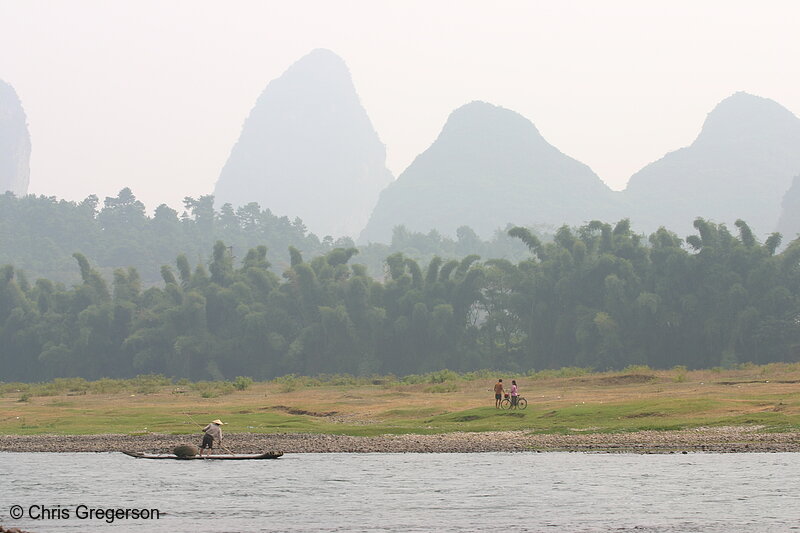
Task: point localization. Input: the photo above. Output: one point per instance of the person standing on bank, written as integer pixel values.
(498, 393)
(514, 394)
(211, 433)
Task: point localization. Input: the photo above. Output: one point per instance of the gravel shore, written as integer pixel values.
(725, 439)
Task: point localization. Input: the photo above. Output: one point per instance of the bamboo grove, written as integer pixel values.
(597, 296)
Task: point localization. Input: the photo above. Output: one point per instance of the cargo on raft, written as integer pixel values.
(268, 455)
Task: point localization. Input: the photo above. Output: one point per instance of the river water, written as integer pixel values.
(551, 492)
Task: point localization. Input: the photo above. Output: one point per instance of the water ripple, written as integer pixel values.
(416, 492)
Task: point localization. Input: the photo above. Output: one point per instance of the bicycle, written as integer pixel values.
(522, 403)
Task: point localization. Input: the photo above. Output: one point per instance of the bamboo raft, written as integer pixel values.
(268, 455)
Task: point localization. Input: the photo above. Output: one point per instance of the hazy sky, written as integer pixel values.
(153, 94)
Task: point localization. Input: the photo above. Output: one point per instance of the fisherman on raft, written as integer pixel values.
(211, 433)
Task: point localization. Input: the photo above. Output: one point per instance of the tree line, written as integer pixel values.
(39, 234)
(597, 296)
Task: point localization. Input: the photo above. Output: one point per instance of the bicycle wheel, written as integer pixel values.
(522, 403)
(505, 404)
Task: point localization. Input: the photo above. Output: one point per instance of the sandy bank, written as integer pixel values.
(726, 439)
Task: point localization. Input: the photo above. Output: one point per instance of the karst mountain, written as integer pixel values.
(789, 221)
(489, 167)
(309, 150)
(15, 143)
(740, 167)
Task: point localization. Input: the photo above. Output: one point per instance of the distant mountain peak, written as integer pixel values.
(745, 118)
(739, 167)
(323, 54)
(15, 143)
(320, 63)
(488, 167)
(309, 150)
(480, 122)
(483, 115)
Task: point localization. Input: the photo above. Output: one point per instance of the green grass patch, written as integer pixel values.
(421, 412)
(571, 400)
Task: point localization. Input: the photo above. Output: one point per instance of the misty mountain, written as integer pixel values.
(789, 222)
(15, 143)
(309, 150)
(489, 167)
(740, 166)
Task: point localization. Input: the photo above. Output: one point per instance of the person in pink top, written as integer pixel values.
(514, 393)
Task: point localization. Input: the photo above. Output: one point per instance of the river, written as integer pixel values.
(575, 492)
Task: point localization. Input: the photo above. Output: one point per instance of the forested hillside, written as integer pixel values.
(39, 234)
(599, 296)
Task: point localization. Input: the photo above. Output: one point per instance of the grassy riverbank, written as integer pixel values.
(570, 401)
